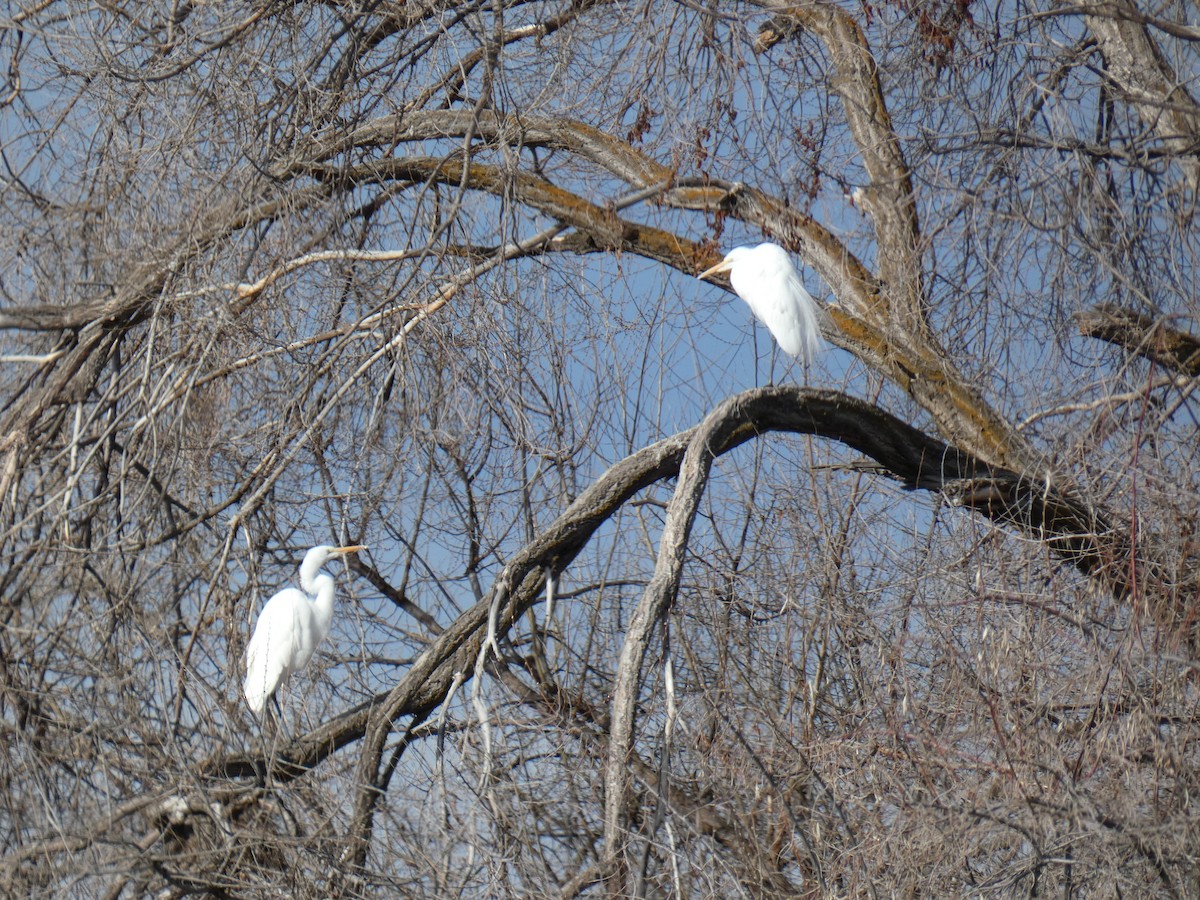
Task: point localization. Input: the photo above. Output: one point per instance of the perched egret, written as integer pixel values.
(289, 628)
(763, 276)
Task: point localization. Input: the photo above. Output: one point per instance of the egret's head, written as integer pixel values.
(724, 265)
(749, 259)
(318, 556)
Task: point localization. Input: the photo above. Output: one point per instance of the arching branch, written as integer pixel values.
(1154, 339)
(1085, 538)
(657, 598)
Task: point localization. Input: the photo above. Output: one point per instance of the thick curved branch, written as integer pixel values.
(840, 269)
(584, 141)
(1171, 348)
(918, 366)
(1077, 533)
(656, 600)
(850, 280)
(1142, 75)
(888, 197)
(601, 224)
(898, 344)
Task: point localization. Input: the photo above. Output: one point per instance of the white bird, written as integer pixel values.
(289, 628)
(763, 276)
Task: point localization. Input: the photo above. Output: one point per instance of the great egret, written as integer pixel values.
(289, 628)
(763, 276)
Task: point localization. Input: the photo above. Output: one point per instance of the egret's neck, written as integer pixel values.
(310, 568)
(320, 589)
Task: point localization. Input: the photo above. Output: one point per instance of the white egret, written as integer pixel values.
(763, 276)
(289, 628)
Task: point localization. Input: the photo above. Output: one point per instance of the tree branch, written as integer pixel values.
(888, 197)
(1143, 76)
(714, 431)
(1144, 335)
(1085, 538)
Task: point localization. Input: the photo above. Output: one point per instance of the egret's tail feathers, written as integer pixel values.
(262, 677)
(256, 692)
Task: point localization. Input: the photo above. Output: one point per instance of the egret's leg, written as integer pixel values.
(263, 766)
(279, 712)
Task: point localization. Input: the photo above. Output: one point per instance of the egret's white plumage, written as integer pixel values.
(763, 276)
(290, 626)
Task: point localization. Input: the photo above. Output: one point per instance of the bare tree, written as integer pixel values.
(640, 616)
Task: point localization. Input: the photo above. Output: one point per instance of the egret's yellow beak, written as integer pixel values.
(723, 266)
(353, 549)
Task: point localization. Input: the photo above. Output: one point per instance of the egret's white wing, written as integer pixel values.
(763, 276)
(272, 653)
(794, 319)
